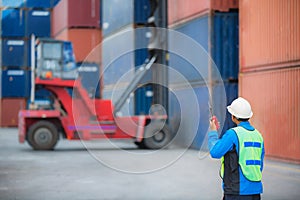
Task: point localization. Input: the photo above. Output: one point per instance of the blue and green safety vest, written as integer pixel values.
(249, 155)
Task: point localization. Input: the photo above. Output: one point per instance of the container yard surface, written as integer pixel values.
(70, 172)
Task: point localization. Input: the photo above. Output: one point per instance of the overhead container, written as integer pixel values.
(274, 96)
(116, 14)
(142, 11)
(38, 23)
(12, 3)
(185, 10)
(75, 13)
(15, 52)
(15, 83)
(9, 111)
(13, 23)
(86, 43)
(218, 36)
(269, 34)
(89, 74)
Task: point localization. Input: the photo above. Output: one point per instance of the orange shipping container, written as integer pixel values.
(269, 34)
(86, 43)
(184, 10)
(75, 13)
(9, 111)
(275, 99)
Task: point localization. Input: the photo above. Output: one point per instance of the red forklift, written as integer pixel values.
(73, 114)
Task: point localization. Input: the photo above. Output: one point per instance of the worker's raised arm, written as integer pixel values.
(219, 147)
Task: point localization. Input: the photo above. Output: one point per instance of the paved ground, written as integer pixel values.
(72, 172)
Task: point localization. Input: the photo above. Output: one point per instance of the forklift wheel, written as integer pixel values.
(42, 135)
(156, 137)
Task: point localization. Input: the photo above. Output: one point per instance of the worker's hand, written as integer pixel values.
(213, 123)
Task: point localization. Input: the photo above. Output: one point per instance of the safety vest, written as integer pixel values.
(249, 155)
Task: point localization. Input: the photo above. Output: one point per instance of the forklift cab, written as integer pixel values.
(55, 59)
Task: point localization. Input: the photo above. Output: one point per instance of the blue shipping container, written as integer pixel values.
(116, 14)
(41, 3)
(222, 96)
(143, 100)
(38, 23)
(225, 44)
(13, 23)
(12, 3)
(142, 11)
(90, 78)
(197, 31)
(16, 53)
(23, 23)
(15, 83)
(223, 41)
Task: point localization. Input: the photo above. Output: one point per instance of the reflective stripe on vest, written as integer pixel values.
(250, 151)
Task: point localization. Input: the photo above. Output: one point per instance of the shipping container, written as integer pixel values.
(89, 74)
(15, 83)
(185, 10)
(12, 3)
(225, 44)
(220, 42)
(38, 23)
(189, 108)
(274, 96)
(75, 13)
(41, 3)
(22, 23)
(142, 11)
(143, 99)
(13, 23)
(9, 111)
(118, 57)
(269, 34)
(15, 52)
(86, 43)
(116, 14)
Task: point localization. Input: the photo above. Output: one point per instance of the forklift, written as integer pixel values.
(73, 114)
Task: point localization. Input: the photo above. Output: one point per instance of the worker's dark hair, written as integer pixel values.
(243, 120)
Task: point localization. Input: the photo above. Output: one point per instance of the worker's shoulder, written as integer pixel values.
(230, 134)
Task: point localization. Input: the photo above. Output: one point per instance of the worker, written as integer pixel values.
(241, 150)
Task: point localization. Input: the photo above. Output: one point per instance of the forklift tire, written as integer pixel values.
(156, 137)
(42, 135)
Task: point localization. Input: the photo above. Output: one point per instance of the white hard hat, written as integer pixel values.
(240, 108)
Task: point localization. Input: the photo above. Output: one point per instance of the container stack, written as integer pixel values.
(213, 25)
(270, 71)
(19, 19)
(78, 21)
(125, 24)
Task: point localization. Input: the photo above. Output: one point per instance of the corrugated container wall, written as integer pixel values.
(75, 13)
(90, 78)
(269, 34)
(9, 110)
(15, 82)
(15, 52)
(185, 10)
(22, 23)
(116, 14)
(221, 43)
(28, 3)
(85, 43)
(275, 96)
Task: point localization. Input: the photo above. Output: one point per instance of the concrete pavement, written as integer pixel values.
(72, 172)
